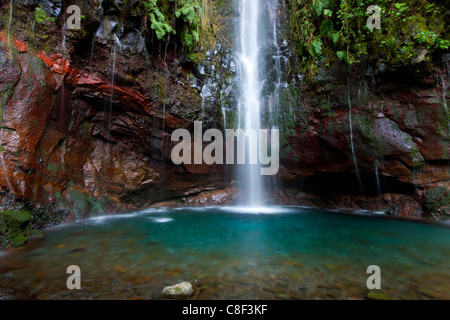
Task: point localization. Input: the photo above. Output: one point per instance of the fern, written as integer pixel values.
(326, 27)
(157, 19)
(317, 45)
(189, 11)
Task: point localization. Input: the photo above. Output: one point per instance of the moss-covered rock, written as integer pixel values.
(437, 203)
(15, 228)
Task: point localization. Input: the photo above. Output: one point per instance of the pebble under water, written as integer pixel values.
(276, 253)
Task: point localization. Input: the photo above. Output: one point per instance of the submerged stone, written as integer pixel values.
(393, 211)
(179, 291)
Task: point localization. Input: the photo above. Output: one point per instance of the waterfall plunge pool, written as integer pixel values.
(235, 253)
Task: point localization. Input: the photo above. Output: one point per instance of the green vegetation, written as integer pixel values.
(41, 17)
(82, 203)
(189, 11)
(167, 17)
(157, 19)
(15, 228)
(290, 117)
(327, 31)
(437, 203)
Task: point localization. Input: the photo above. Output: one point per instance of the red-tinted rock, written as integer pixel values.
(26, 114)
(177, 123)
(19, 44)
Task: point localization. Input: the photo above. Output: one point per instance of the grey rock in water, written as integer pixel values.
(179, 291)
(392, 211)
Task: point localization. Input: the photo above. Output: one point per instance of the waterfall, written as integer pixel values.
(250, 100)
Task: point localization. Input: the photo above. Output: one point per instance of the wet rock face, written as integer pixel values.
(28, 92)
(398, 131)
(87, 144)
(89, 140)
(228, 196)
(437, 203)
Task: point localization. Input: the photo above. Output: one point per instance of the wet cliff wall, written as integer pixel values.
(87, 117)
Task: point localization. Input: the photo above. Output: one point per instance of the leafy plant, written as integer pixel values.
(326, 31)
(41, 17)
(168, 16)
(157, 19)
(189, 11)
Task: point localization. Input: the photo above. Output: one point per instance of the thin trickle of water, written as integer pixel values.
(109, 103)
(377, 177)
(9, 26)
(251, 85)
(224, 115)
(275, 103)
(163, 157)
(362, 90)
(351, 139)
(64, 43)
(63, 31)
(92, 51)
(444, 94)
(203, 103)
(112, 87)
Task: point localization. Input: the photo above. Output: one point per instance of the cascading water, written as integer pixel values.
(249, 106)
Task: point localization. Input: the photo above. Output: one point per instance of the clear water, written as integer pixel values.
(282, 253)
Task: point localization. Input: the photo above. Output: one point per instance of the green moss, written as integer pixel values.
(84, 204)
(15, 218)
(2, 228)
(17, 239)
(14, 227)
(323, 31)
(367, 126)
(180, 18)
(52, 167)
(437, 203)
(41, 17)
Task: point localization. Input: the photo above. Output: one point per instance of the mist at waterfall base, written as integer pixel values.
(287, 253)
